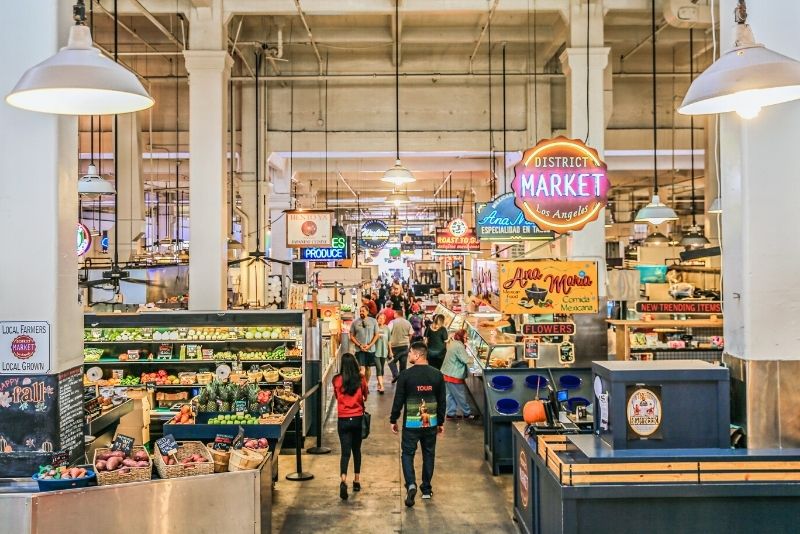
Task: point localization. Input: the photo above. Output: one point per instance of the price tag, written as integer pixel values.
(150, 386)
(123, 443)
(239, 406)
(238, 441)
(167, 445)
(133, 354)
(59, 458)
(222, 442)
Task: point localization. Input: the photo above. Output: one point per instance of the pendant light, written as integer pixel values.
(79, 80)
(92, 183)
(656, 239)
(716, 206)
(398, 198)
(656, 212)
(694, 237)
(744, 79)
(398, 174)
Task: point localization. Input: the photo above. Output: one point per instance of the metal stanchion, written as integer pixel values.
(299, 475)
(319, 449)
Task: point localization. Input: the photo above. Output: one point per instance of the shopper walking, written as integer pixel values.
(436, 340)
(454, 370)
(350, 388)
(364, 335)
(399, 341)
(420, 395)
(381, 351)
(418, 327)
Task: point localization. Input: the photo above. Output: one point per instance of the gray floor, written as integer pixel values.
(466, 497)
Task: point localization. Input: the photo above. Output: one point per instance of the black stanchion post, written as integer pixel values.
(299, 475)
(319, 449)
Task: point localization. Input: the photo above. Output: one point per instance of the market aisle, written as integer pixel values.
(467, 498)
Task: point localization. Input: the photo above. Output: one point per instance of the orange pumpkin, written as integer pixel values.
(533, 412)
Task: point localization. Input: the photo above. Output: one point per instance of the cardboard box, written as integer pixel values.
(140, 434)
(657, 292)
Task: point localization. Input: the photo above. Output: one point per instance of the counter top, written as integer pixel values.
(490, 334)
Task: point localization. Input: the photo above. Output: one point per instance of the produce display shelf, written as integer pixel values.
(185, 341)
(203, 432)
(104, 361)
(98, 424)
(180, 386)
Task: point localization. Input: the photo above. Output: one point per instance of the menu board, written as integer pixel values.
(70, 411)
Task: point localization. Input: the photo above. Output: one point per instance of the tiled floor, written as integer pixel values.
(467, 498)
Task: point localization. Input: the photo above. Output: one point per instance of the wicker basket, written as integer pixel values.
(221, 459)
(185, 449)
(244, 459)
(204, 378)
(134, 474)
(254, 376)
(290, 378)
(235, 378)
(272, 376)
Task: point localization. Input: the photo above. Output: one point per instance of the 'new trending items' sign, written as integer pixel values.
(457, 237)
(374, 234)
(502, 220)
(561, 185)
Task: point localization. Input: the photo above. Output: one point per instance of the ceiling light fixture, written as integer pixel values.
(79, 80)
(92, 183)
(398, 174)
(609, 218)
(744, 79)
(398, 198)
(656, 212)
(716, 206)
(694, 238)
(657, 239)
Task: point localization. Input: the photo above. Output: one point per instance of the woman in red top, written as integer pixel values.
(351, 391)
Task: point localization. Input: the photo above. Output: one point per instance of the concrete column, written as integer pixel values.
(761, 297)
(589, 242)
(38, 212)
(208, 104)
(130, 186)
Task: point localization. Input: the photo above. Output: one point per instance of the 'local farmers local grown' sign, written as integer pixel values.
(24, 347)
(561, 185)
(548, 286)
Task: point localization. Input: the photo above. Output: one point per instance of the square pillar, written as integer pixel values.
(208, 253)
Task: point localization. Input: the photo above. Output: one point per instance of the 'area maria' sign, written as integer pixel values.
(502, 220)
(561, 185)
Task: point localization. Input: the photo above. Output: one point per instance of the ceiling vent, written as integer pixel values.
(687, 13)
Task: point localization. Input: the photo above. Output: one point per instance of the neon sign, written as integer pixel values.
(457, 237)
(502, 220)
(561, 185)
(374, 234)
(339, 249)
(84, 239)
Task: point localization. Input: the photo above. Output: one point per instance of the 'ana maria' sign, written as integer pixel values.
(502, 220)
(561, 185)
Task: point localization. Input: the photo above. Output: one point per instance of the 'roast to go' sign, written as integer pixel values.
(548, 286)
(560, 185)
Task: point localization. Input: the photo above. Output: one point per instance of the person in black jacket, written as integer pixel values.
(420, 394)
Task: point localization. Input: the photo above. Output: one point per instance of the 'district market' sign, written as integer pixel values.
(502, 220)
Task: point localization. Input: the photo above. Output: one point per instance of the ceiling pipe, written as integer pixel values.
(310, 35)
(160, 27)
(641, 43)
(483, 31)
(235, 48)
(447, 179)
(346, 184)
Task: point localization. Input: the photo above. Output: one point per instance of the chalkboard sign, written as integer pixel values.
(239, 406)
(167, 444)
(222, 442)
(123, 443)
(60, 458)
(70, 412)
(238, 441)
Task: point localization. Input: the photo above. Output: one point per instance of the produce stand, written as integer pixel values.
(99, 425)
(184, 505)
(558, 487)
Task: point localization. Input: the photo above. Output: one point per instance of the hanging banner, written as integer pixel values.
(374, 234)
(502, 220)
(457, 237)
(561, 185)
(548, 286)
(308, 228)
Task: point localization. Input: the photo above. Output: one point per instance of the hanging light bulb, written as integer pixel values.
(745, 78)
(79, 80)
(92, 183)
(694, 238)
(656, 212)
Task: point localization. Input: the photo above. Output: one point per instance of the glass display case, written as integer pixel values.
(489, 347)
(452, 321)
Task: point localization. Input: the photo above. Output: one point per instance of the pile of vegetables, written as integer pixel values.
(48, 472)
(256, 444)
(114, 460)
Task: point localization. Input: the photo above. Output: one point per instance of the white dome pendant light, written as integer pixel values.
(397, 175)
(79, 80)
(656, 212)
(744, 79)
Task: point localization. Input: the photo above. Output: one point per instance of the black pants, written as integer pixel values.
(349, 429)
(400, 356)
(436, 359)
(427, 439)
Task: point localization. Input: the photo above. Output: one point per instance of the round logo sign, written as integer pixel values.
(374, 234)
(560, 184)
(23, 347)
(523, 479)
(458, 227)
(84, 239)
(644, 412)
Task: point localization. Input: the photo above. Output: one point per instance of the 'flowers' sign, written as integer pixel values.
(561, 185)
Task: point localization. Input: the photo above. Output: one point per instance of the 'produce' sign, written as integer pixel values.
(548, 286)
(560, 185)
